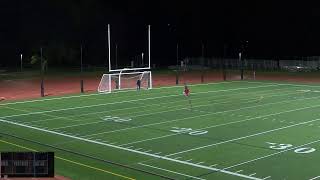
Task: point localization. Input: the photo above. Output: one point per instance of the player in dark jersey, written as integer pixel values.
(138, 84)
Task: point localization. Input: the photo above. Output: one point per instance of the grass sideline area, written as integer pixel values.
(230, 130)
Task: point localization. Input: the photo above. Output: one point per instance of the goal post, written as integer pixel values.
(144, 65)
(124, 80)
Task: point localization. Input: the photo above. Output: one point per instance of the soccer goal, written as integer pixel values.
(124, 80)
(125, 76)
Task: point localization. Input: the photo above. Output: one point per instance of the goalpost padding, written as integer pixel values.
(124, 80)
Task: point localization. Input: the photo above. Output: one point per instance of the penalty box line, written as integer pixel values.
(133, 151)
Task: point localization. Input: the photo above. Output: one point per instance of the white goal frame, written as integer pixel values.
(105, 85)
(109, 53)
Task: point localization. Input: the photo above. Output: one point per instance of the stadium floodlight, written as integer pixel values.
(21, 62)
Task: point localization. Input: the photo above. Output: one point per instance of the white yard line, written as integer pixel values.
(273, 154)
(243, 137)
(266, 177)
(133, 151)
(166, 87)
(289, 84)
(127, 101)
(95, 94)
(118, 109)
(76, 125)
(318, 177)
(198, 116)
(224, 124)
(135, 107)
(193, 177)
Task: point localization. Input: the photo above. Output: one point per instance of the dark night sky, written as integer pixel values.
(272, 28)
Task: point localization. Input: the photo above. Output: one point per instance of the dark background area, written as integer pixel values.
(273, 29)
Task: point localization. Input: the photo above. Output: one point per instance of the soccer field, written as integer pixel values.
(230, 130)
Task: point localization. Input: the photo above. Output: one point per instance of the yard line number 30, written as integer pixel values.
(299, 150)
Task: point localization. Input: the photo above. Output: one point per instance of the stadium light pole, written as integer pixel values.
(81, 70)
(177, 54)
(109, 51)
(202, 62)
(21, 62)
(241, 65)
(116, 56)
(149, 40)
(42, 81)
(142, 54)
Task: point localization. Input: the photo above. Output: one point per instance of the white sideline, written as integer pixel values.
(132, 150)
(243, 137)
(224, 124)
(94, 94)
(167, 157)
(220, 112)
(193, 177)
(290, 84)
(164, 87)
(127, 101)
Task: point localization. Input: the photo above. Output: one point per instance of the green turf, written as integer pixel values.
(233, 130)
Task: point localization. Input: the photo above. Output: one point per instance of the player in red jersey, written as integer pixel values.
(186, 91)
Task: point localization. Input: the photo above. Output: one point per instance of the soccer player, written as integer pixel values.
(186, 91)
(138, 84)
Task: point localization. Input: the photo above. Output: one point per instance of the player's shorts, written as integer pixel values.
(186, 94)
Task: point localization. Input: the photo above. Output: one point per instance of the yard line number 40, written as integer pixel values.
(299, 150)
(189, 131)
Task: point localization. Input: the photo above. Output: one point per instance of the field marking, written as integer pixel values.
(135, 107)
(315, 178)
(243, 137)
(128, 101)
(165, 87)
(273, 154)
(266, 177)
(186, 175)
(289, 84)
(71, 117)
(70, 161)
(131, 150)
(219, 112)
(102, 94)
(64, 127)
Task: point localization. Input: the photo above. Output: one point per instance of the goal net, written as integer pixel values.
(124, 80)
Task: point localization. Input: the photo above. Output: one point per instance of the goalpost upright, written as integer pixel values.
(105, 84)
(132, 69)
